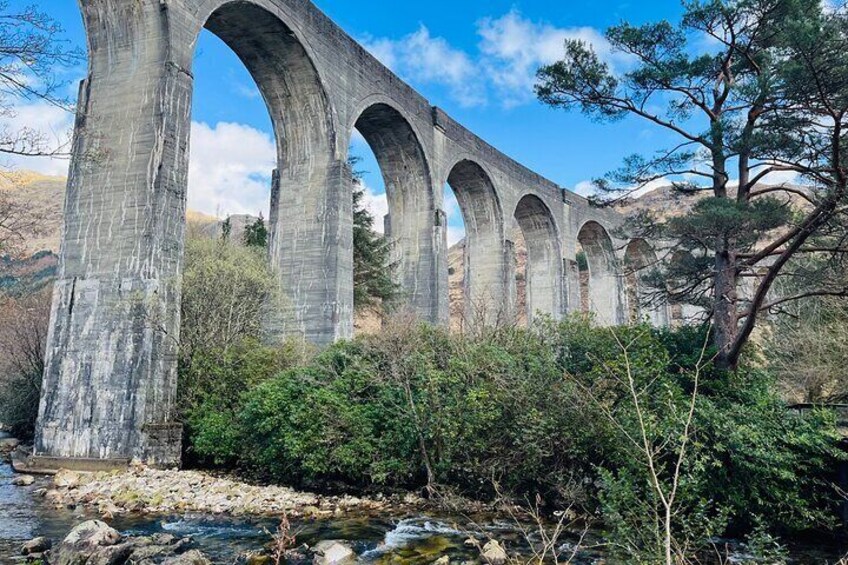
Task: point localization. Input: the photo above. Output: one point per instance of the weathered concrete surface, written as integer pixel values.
(110, 380)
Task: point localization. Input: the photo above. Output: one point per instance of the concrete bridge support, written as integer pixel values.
(600, 279)
(110, 377)
(639, 260)
(544, 278)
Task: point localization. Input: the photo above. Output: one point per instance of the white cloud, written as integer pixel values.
(229, 164)
(782, 177)
(455, 234)
(452, 209)
(649, 187)
(420, 57)
(510, 50)
(377, 205)
(514, 47)
(53, 125)
(585, 188)
(230, 169)
(357, 140)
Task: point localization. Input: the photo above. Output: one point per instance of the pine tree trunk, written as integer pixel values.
(724, 303)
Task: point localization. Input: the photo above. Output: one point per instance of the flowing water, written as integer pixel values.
(382, 540)
(404, 540)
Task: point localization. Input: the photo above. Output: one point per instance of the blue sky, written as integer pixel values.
(474, 59)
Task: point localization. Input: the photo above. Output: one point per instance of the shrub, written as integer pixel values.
(225, 289)
(418, 406)
(210, 389)
(23, 333)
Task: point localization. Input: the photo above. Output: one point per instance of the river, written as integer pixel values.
(402, 540)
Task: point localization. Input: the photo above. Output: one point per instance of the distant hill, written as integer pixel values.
(666, 201)
(45, 196)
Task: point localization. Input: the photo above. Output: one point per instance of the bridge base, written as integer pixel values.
(40, 465)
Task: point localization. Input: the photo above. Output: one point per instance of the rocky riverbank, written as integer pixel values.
(144, 490)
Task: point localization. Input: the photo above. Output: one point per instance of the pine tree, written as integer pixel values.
(766, 94)
(256, 234)
(373, 282)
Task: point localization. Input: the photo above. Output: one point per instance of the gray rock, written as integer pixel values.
(443, 560)
(95, 543)
(192, 557)
(332, 552)
(91, 543)
(36, 545)
(66, 479)
(494, 553)
(23, 480)
(8, 444)
(92, 533)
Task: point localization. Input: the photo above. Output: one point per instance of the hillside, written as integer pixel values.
(43, 197)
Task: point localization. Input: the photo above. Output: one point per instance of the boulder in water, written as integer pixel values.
(494, 553)
(95, 543)
(36, 545)
(191, 557)
(23, 480)
(332, 552)
(92, 533)
(66, 479)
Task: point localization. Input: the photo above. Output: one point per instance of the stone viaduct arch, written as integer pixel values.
(600, 292)
(544, 256)
(485, 271)
(409, 191)
(639, 258)
(110, 377)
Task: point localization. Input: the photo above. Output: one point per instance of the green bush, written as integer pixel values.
(544, 410)
(211, 385)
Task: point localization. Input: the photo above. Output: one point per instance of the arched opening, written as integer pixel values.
(543, 277)
(481, 297)
(233, 150)
(309, 218)
(412, 217)
(599, 283)
(679, 274)
(639, 259)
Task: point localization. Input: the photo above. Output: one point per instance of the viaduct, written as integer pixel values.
(111, 362)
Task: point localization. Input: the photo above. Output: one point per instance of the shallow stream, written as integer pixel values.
(401, 540)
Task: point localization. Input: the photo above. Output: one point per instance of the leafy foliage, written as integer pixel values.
(225, 289)
(419, 406)
(256, 234)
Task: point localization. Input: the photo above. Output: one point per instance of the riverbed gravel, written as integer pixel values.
(145, 490)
